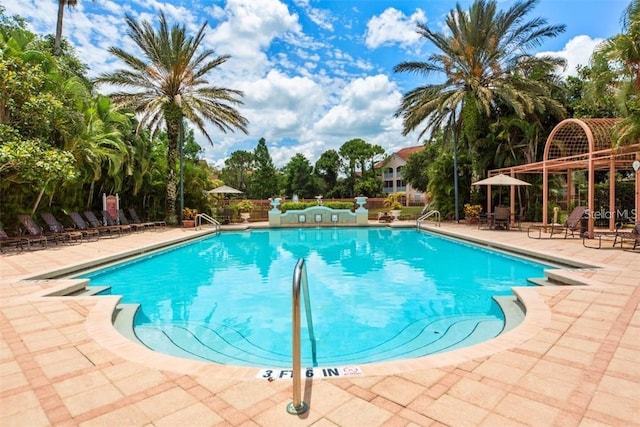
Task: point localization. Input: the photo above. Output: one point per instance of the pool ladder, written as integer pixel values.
(300, 285)
(204, 217)
(424, 217)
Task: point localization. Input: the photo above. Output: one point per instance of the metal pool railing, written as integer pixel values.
(424, 217)
(298, 406)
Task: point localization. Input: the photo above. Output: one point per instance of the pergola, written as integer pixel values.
(581, 144)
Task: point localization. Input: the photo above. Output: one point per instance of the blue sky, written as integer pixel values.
(316, 73)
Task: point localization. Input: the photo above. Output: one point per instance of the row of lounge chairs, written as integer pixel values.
(575, 226)
(35, 237)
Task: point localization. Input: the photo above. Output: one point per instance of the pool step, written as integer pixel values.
(513, 310)
(541, 281)
(220, 344)
(123, 320)
(93, 290)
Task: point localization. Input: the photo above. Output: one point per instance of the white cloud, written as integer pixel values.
(576, 52)
(392, 27)
(364, 106)
(320, 17)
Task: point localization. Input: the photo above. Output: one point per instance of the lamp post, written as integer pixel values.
(455, 165)
(181, 141)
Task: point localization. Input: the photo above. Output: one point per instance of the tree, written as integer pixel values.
(167, 83)
(592, 92)
(358, 154)
(415, 171)
(327, 168)
(298, 177)
(237, 170)
(624, 50)
(484, 57)
(264, 181)
(61, 5)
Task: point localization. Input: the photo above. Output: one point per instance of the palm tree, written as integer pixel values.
(483, 58)
(61, 5)
(624, 49)
(168, 84)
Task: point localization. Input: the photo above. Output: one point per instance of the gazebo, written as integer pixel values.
(581, 144)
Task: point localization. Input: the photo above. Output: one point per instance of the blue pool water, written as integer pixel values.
(376, 294)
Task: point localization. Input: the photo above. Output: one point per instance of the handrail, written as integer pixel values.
(299, 406)
(207, 218)
(427, 215)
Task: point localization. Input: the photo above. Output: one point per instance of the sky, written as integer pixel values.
(315, 73)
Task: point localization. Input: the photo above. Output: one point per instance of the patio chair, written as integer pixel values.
(572, 224)
(104, 229)
(122, 218)
(501, 218)
(69, 235)
(136, 219)
(111, 222)
(83, 227)
(616, 237)
(633, 235)
(384, 217)
(35, 231)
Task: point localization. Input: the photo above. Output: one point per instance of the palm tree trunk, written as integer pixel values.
(58, 40)
(173, 117)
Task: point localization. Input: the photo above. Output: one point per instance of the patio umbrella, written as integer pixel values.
(500, 180)
(224, 189)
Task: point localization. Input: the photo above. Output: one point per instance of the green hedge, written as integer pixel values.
(298, 206)
(339, 205)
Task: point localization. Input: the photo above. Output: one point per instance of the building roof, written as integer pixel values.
(404, 154)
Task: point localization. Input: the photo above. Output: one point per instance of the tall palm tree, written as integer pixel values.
(168, 84)
(482, 57)
(61, 5)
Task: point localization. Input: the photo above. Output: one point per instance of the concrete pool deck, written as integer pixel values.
(575, 360)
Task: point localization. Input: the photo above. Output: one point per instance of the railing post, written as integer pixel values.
(297, 406)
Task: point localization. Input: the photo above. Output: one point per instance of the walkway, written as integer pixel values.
(574, 361)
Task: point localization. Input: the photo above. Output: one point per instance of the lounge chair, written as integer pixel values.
(501, 218)
(36, 232)
(617, 237)
(572, 224)
(69, 235)
(104, 229)
(136, 219)
(633, 235)
(83, 227)
(384, 217)
(122, 218)
(111, 222)
(15, 242)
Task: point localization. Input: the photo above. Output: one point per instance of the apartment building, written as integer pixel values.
(391, 176)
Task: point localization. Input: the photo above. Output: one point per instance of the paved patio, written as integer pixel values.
(574, 361)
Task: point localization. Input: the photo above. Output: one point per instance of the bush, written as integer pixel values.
(295, 206)
(298, 206)
(339, 205)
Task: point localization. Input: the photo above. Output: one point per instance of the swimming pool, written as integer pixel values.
(376, 294)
